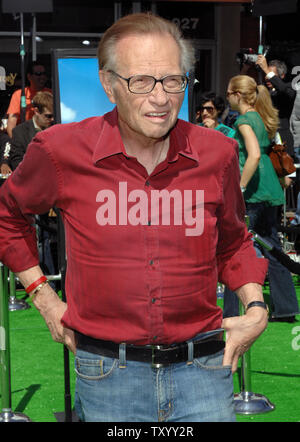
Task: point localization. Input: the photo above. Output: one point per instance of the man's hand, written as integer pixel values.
(50, 306)
(5, 169)
(52, 314)
(241, 332)
(262, 63)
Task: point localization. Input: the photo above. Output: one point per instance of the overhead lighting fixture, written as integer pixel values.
(86, 42)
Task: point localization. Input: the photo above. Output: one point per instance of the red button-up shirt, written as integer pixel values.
(144, 253)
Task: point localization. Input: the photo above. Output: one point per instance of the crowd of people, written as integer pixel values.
(38, 115)
(264, 111)
(143, 297)
(14, 140)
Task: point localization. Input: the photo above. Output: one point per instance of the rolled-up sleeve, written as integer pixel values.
(236, 256)
(31, 189)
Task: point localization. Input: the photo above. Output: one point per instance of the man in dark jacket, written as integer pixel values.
(282, 94)
(23, 133)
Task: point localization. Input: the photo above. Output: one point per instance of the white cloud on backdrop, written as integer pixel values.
(68, 115)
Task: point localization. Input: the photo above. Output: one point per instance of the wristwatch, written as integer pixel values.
(257, 304)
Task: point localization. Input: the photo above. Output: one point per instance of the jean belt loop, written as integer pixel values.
(122, 355)
(190, 352)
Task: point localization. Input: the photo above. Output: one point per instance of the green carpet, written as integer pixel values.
(275, 369)
(37, 369)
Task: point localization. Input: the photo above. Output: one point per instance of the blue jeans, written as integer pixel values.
(199, 392)
(263, 220)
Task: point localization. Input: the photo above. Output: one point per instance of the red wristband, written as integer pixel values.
(35, 284)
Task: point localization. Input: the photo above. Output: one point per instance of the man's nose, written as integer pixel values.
(159, 94)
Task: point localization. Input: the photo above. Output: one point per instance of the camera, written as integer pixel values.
(248, 55)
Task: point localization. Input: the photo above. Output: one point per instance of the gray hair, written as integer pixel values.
(142, 24)
(280, 66)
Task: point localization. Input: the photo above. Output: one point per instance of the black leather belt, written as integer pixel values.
(157, 355)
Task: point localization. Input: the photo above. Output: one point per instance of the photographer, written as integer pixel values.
(282, 94)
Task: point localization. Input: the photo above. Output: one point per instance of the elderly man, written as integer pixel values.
(154, 217)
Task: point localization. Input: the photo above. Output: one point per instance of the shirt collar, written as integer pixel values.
(35, 124)
(110, 142)
(180, 142)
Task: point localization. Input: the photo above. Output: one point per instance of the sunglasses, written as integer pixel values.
(48, 116)
(39, 73)
(209, 109)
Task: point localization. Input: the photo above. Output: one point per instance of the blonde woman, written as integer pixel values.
(255, 128)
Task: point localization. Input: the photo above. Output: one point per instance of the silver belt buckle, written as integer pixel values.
(153, 364)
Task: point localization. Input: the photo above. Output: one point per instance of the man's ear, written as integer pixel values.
(105, 79)
(36, 110)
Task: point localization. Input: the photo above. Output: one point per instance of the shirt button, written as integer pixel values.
(154, 338)
(147, 183)
(149, 222)
(153, 300)
(151, 262)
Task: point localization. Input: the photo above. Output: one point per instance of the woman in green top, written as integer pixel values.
(255, 128)
(211, 107)
(258, 177)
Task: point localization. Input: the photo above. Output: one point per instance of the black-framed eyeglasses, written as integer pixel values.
(49, 116)
(144, 84)
(39, 73)
(209, 109)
